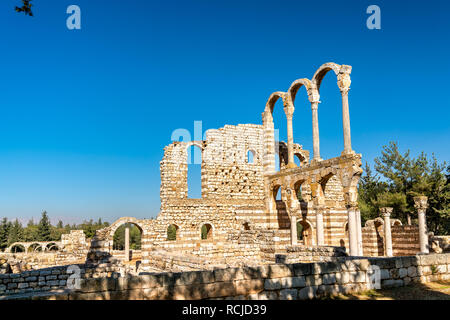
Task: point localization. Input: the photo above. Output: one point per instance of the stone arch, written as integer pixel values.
(16, 245)
(51, 246)
(194, 143)
(296, 85)
(35, 247)
(298, 186)
(172, 228)
(322, 71)
(206, 231)
(113, 227)
(270, 104)
(254, 157)
(306, 233)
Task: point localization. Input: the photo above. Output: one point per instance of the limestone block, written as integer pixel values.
(308, 293)
(288, 294)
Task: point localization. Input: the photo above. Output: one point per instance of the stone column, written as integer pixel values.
(359, 232)
(315, 127)
(344, 86)
(293, 230)
(386, 214)
(420, 203)
(289, 111)
(352, 235)
(127, 244)
(269, 143)
(319, 226)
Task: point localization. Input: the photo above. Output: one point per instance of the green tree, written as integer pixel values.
(44, 228)
(402, 178)
(16, 233)
(30, 232)
(5, 227)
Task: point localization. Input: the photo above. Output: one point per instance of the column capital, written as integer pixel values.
(386, 212)
(313, 95)
(352, 205)
(344, 82)
(420, 203)
(289, 109)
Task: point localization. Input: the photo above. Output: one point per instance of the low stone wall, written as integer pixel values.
(54, 278)
(276, 281)
(297, 254)
(25, 261)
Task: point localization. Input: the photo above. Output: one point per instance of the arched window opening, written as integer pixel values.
(135, 233)
(194, 174)
(52, 247)
(246, 226)
(17, 248)
(35, 247)
(300, 235)
(304, 233)
(250, 156)
(206, 231)
(172, 232)
(298, 191)
(299, 159)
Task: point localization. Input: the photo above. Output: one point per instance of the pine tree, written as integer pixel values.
(44, 228)
(5, 227)
(16, 233)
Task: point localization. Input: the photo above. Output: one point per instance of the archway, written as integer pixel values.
(304, 232)
(250, 156)
(172, 231)
(135, 236)
(35, 247)
(16, 248)
(52, 247)
(206, 231)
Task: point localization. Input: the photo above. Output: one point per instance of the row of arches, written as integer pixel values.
(313, 91)
(206, 232)
(34, 247)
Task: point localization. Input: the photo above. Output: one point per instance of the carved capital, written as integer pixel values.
(386, 212)
(313, 95)
(352, 205)
(420, 203)
(344, 82)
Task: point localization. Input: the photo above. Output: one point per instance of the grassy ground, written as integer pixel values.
(418, 291)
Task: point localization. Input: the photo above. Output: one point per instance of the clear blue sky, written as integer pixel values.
(85, 114)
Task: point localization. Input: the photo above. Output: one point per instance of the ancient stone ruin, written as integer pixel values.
(239, 221)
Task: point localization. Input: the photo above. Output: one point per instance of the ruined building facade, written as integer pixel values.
(238, 219)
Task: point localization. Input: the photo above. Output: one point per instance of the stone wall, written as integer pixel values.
(276, 281)
(405, 239)
(54, 278)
